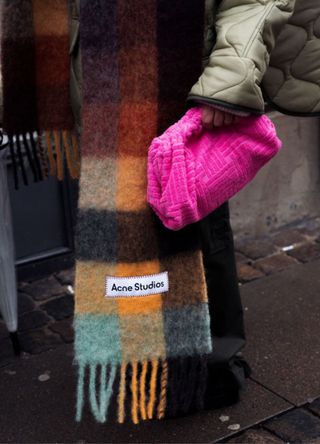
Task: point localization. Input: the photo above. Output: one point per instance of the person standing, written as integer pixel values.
(243, 57)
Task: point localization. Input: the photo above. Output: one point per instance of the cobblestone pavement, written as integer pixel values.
(300, 425)
(45, 308)
(299, 243)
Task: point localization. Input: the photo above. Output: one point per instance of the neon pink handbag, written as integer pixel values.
(192, 170)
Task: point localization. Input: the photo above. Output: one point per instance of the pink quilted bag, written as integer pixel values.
(192, 171)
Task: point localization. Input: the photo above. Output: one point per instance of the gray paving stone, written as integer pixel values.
(22, 285)
(52, 403)
(64, 329)
(256, 436)
(43, 289)
(256, 249)
(6, 352)
(306, 253)
(32, 320)
(315, 407)
(282, 316)
(310, 227)
(25, 303)
(66, 277)
(297, 426)
(60, 308)
(246, 273)
(275, 263)
(38, 341)
(288, 237)
(241, 259)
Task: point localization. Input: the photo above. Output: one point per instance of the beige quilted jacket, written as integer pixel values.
(254, 50)
(263, 49)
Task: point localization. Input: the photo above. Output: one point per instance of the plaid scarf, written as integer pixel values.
(37, 114)
(142, 328)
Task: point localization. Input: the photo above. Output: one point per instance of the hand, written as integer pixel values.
(213, 117)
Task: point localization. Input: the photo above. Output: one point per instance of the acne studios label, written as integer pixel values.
(136, 285)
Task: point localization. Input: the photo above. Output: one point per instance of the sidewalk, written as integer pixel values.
(280, 287)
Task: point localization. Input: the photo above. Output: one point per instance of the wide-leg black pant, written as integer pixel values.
(227, 370)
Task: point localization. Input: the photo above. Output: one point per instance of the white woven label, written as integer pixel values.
(136, 285)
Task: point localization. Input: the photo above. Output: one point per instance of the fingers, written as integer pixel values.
(229, 119)
(207, 116)
(215, 118)
(218, 118)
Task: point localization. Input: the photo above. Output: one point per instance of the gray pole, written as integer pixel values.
(8, 285)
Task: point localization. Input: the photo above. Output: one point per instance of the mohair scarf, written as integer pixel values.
(141, 342)
(37, 114)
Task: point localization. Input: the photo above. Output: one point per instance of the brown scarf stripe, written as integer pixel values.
(102, 94)
(51, 28)
(36, 83)
(138, 79)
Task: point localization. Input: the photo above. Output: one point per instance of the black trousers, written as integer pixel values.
(227, 370)
(225, 306)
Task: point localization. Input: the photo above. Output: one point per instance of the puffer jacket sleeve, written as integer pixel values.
(246, 31)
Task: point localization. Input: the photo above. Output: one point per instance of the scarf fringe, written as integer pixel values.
(46, 153)
(144, 388)
(144, 398)
(187, 385)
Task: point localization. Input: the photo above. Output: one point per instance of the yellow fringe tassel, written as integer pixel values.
(163, 390)
(138, 391)
(122, 394)
(71, 163)
(64, 141)
(153, 387)
(52, 162)
(143, 410)
(57, 145)
(134, 390)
